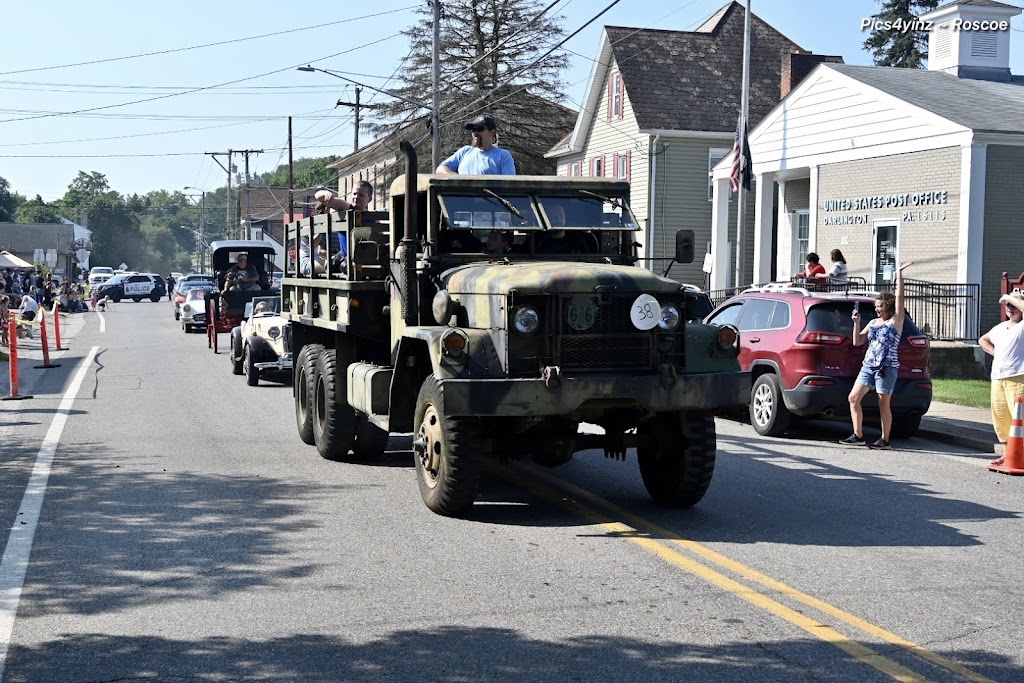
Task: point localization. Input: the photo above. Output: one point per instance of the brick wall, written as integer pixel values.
(884, 189)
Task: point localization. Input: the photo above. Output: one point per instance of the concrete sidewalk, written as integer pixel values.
(970, 427)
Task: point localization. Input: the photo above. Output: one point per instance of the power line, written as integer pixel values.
(199, 47)
(142, 135)
(209, 87)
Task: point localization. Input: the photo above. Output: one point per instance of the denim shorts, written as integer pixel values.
(883, 385)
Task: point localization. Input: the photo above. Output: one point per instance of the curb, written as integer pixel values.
(978, 439)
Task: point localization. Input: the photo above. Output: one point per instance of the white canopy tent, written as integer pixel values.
(9, 260)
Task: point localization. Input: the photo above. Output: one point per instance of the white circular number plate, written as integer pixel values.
(645, 312)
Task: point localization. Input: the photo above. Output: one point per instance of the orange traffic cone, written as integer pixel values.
(1013, 458)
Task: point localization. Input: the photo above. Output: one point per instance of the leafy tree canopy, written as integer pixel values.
(37, 211)
(895, 46)
(9, 201)
(492, 60)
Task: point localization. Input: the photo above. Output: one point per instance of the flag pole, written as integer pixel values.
(741, 204)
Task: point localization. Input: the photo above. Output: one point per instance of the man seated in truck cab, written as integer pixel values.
(498, 242)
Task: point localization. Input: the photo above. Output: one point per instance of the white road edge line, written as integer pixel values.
(103, 328)
(14, 563)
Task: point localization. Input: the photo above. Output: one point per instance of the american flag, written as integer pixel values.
(740, 158)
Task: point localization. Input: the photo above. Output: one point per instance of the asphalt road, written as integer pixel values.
(186, 534)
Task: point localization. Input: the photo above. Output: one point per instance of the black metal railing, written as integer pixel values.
(942, 311)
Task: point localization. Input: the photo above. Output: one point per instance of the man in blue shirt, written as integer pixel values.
(483, 156)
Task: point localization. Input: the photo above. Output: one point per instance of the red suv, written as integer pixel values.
(798, 348)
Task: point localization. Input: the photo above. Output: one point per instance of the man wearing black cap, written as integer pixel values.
(483, 156)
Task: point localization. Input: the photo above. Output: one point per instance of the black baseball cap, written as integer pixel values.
(483, 120)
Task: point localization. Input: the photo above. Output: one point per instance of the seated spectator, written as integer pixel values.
(813, 269)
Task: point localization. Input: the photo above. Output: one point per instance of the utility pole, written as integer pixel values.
(356, 107)
(246, 233)
(227, 209)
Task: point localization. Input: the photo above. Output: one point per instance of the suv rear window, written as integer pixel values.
(834, 317)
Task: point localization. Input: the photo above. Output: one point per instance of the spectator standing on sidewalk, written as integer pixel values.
(1005, 343)
(881, 362)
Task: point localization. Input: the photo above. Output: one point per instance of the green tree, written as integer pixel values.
(896, 46)
(9, 201)
(492, 60)
(113, 219)
(37, 211)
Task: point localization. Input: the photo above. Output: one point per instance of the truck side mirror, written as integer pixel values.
(684, 246)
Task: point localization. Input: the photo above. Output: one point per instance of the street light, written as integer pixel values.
(435, 119)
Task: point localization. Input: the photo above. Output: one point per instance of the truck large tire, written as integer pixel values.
(677, 457)
(371, 440)
(334, 420)
(302, 388)
(446, 451)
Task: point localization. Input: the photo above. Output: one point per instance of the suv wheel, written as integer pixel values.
(768, 412)
(677, 457)
(904, 426)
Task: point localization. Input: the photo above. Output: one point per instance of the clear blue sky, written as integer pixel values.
(186, 125)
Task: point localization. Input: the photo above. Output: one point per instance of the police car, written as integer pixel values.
(134, 286)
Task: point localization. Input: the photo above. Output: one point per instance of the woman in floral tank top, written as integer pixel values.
(881, 361)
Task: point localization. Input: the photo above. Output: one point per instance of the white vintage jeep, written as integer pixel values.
(262, 342)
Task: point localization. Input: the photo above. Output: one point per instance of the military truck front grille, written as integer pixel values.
(610, 343)
(606, 352)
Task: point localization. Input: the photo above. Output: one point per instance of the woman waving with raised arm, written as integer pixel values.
(881, 362)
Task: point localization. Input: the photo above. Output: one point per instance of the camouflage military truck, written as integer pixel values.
(490, 316)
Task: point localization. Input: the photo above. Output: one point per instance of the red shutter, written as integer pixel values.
(590, 166)
(611, 84)
(615, 167)
(622, 97)
(629, 165)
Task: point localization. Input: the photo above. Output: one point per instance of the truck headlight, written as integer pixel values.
(525, 319)
(669, 317)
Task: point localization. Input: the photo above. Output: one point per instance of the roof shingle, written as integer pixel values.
(692, 80)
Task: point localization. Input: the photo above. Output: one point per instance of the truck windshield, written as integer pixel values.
(476, 212)
(587, 211)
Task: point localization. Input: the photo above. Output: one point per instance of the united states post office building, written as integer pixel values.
(893, 165)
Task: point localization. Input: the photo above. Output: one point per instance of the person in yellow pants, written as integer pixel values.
(1005, 343)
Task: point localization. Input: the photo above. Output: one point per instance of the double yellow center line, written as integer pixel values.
(588, 506)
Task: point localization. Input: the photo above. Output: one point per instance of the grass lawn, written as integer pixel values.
(964, 392)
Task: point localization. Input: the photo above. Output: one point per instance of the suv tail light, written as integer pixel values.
(812, 337)
(920, 342)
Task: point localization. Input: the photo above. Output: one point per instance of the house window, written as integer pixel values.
(615, 96)
(598, 166)
(801, 239)
(621, 166)
(715, 154)
(574, 169)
